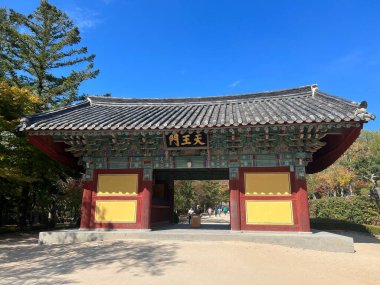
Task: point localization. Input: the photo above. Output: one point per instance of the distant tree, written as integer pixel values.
(215, 192)
(312, 183)
(15, 153)
(356, 172)
(344, 178)
(205, 193)
(37, 50)
(367, 165)
(41, 67)
(69, 198)
(183, 195)
(28, 178)
(13, 102)
(3, 43)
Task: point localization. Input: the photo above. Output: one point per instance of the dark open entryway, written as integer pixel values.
(162, 209)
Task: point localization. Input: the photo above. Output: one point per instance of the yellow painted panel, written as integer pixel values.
(269, 212)
(116, 211)
(260, 183)
(117, 184)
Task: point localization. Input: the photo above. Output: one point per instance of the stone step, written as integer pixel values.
(321, 241)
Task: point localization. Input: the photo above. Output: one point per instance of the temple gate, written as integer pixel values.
(263, 143)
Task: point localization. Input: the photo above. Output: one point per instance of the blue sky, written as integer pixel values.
(183, 48)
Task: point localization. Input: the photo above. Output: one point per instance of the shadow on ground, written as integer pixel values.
(18, 238)
(27, 262)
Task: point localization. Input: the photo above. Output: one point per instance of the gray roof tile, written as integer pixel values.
(297, 105)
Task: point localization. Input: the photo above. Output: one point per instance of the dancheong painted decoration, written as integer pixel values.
(131, 151)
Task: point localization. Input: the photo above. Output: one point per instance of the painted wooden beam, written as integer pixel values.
(335, 146)
(55, 150)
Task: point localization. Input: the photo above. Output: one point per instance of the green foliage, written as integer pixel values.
(13, 102)
(204, 193)
(375, 230)
(69, 198)
(38, 49)
(329, 224)
(355, 173)
(357, 209)
(183, 194)
(14, 149)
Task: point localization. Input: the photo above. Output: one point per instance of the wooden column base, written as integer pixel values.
(302, 205)
(235, 205)
(146, 203)
(86, 205)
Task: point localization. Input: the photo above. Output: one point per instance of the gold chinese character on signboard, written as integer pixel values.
(186, 140)
(198, 140)
(174, 139)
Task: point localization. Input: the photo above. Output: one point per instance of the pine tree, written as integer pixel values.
(37, 52)
(8, 64)
(37, 49)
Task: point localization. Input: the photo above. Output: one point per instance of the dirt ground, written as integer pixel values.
(143, 262)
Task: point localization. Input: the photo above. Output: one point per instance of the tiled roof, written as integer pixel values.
(291, 106)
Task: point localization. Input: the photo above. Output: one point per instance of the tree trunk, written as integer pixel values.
(24, 208)
(2, 206)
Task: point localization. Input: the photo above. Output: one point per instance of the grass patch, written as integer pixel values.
(374, 230)
(330, 224)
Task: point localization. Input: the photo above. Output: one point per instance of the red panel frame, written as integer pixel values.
(139, 198)
(300, 211)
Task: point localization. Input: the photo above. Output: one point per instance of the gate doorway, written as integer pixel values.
(169, 200)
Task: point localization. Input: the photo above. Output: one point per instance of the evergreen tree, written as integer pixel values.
(30, 182)
(6, 59)
(37, 49)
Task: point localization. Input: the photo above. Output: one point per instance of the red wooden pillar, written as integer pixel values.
(146, 204)
(235, 205)
(85, 222)
(302, 205)
(171, 198)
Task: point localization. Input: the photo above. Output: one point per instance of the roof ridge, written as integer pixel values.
(62, 110)
(212, 99)
(337, 98)
(150, 101)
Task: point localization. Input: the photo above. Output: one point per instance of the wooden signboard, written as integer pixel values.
(186, 140)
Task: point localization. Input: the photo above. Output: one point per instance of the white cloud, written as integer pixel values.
(350, 59)
(354, 61)
(84, 18)
(234, 84)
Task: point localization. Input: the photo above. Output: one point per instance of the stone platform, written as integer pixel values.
(321, 241)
